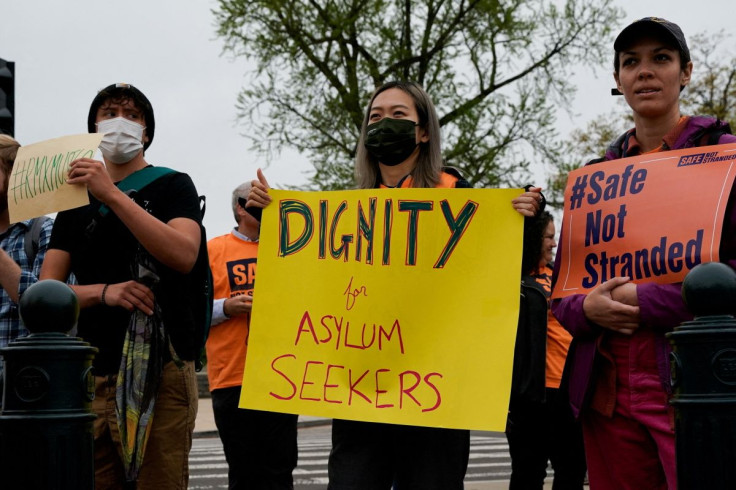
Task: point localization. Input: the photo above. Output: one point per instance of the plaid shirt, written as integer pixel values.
(13, 243)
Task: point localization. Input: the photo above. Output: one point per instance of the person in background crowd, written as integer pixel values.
(18, 271)
(619, 372)
(260, 447)
(540, 426)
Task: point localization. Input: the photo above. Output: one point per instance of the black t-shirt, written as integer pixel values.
(104, 254)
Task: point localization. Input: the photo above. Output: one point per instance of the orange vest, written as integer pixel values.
(447, 181)
(233, 264)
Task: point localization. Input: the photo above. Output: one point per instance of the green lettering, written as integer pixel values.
(299, 208)
(457, 228)
(365, 229)
(413, 207)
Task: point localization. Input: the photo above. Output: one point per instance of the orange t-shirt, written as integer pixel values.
(446, 181)
(558, 339)
(233, 264)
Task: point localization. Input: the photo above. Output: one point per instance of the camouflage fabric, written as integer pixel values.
(139, 376)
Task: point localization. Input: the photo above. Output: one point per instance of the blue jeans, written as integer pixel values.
(373, 456)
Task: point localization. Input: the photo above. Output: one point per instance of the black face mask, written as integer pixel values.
(391, 141)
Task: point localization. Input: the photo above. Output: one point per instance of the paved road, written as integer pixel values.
(489, 461)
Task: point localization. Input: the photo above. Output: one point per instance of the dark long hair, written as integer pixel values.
(531, 254)
(429, 162)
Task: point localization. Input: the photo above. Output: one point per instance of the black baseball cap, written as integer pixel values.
(123, 90)
(648, 26)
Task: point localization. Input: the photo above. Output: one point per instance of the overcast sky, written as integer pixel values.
(65, 51)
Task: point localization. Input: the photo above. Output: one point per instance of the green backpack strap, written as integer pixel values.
(137, 181)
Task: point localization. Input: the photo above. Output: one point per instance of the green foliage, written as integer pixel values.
(583, 146)
(496, 70)
(713, 88)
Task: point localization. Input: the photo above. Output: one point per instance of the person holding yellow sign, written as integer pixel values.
(399, 147)
(620, 379)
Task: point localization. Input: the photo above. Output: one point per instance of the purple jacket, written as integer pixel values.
(661, 305)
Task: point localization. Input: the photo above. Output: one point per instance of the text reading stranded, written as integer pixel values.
(645, 263)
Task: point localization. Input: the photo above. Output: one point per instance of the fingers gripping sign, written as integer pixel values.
(258, 195)
(93, 174)
(529, 202)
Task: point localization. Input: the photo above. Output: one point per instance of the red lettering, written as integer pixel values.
(373, 336)
(293, 386)
(321, 382)
(308, 320)
(382, 333)
(379, 391)
(329, 332)
(347, 343)
(353, 385)
(436, 391)
(338, 326)
(328, 385)
(407, 391)
(305, 382)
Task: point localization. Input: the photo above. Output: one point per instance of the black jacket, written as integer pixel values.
(530, 352)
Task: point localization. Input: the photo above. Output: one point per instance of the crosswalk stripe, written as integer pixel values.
(489, 460)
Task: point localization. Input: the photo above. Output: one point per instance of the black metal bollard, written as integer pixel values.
(46, 419)
(703, 366)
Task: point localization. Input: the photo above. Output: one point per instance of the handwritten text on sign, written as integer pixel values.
(387, 305)
(651, 218)
(37, 184)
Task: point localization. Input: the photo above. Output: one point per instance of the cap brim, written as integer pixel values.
(640, 29)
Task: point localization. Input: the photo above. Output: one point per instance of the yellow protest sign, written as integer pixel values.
(387, 305)
(37, 184)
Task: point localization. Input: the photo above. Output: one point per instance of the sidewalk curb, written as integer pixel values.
(205, 434)
(313, 423)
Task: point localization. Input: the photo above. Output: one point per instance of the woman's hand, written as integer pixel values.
(258, 196)
(602, 307)
(528, 203)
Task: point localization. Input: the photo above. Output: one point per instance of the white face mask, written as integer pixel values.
(123, 139)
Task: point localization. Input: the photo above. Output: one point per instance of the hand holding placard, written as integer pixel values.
(38, 183)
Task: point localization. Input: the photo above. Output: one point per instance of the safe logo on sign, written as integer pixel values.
(241, 274)
(701, 158)
(693, 159)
